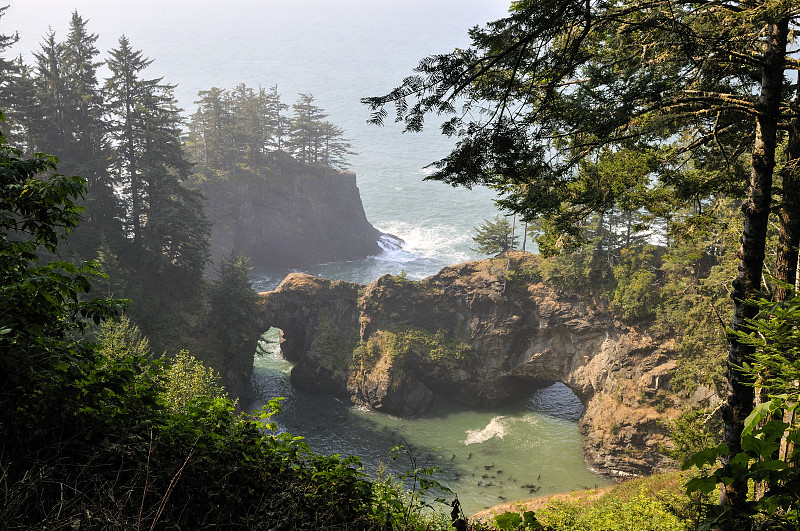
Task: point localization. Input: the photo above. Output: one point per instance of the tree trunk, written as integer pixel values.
(789, 216)
(739, 399)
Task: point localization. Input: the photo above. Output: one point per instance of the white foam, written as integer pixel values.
(426, 241)
(495, 428)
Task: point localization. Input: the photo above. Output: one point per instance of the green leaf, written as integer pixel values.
(704, 484)
(759, 413)
(508, 521)
(707, 456)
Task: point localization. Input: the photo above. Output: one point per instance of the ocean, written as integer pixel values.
(341, 52)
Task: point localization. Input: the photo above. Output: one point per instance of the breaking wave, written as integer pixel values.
(495, 428)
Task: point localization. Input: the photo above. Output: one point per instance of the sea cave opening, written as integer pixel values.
(547, 397)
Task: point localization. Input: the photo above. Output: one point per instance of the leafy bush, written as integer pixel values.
(641, 513)
(187, 379)
(770, 440)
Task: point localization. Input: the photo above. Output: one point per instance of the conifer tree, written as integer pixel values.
(60, 110)
(276, 121)
(334, 148)
(305, 140)
(87, 153)
(493, 237)
(210, 131)
(233, 306)
(165, 220)
(125, 94)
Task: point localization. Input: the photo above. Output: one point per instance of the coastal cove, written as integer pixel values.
(532, 448)
(434, 221)
(512, 418)
(378, 266)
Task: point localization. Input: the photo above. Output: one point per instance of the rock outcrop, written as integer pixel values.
(289, 216)
(483, 333)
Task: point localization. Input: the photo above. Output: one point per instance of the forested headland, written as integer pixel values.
(650, 149)
(145, 220)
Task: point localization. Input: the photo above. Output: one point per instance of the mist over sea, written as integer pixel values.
(341, 52)
(338, 51)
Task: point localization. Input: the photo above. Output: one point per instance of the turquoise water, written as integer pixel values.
(340, 52)
(488, 456)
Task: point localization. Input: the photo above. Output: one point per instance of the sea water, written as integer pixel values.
(485, 456)
(341, 52)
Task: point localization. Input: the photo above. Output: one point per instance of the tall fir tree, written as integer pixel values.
(304, 128)
(166, 221)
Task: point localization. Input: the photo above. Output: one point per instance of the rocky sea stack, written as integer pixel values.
(483, 333)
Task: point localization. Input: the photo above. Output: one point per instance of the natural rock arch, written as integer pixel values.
(472, 333)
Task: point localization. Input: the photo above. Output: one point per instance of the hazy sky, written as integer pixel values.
(218, 41)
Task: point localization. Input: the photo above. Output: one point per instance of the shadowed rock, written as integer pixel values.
(480, 336)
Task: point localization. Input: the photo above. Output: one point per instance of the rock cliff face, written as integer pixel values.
(290, 217)
(483, 333)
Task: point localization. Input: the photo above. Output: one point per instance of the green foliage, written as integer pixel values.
(234, 315)
(313, 140)
(642, 513)
(514, 521)
(330, 344)
(43, 309)
(101, 437)
(770, 453)
(439, 346)
(165, 219)
(775, 335)
(494, 237)
(637, 293)
(525, 270)
(650, 503)
(408, 501)
(186, 379)
(241, 129)
(406, 341)
(121, 338)
(570, 110)
(578, 271)
(693, 431)
(770, 456)
(697, 270)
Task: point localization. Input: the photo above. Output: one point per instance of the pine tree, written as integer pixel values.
(50, 129)
(305, 141)
(233, 306)
(276, 122)
(166, 220)
(210, 129)
(493, 237)
(61, 111)
(334, 147)
(88, 149)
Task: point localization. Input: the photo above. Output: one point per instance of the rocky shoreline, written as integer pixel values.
(484, 333)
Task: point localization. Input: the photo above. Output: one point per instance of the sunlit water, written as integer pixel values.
(340, 52)
(485, 456)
